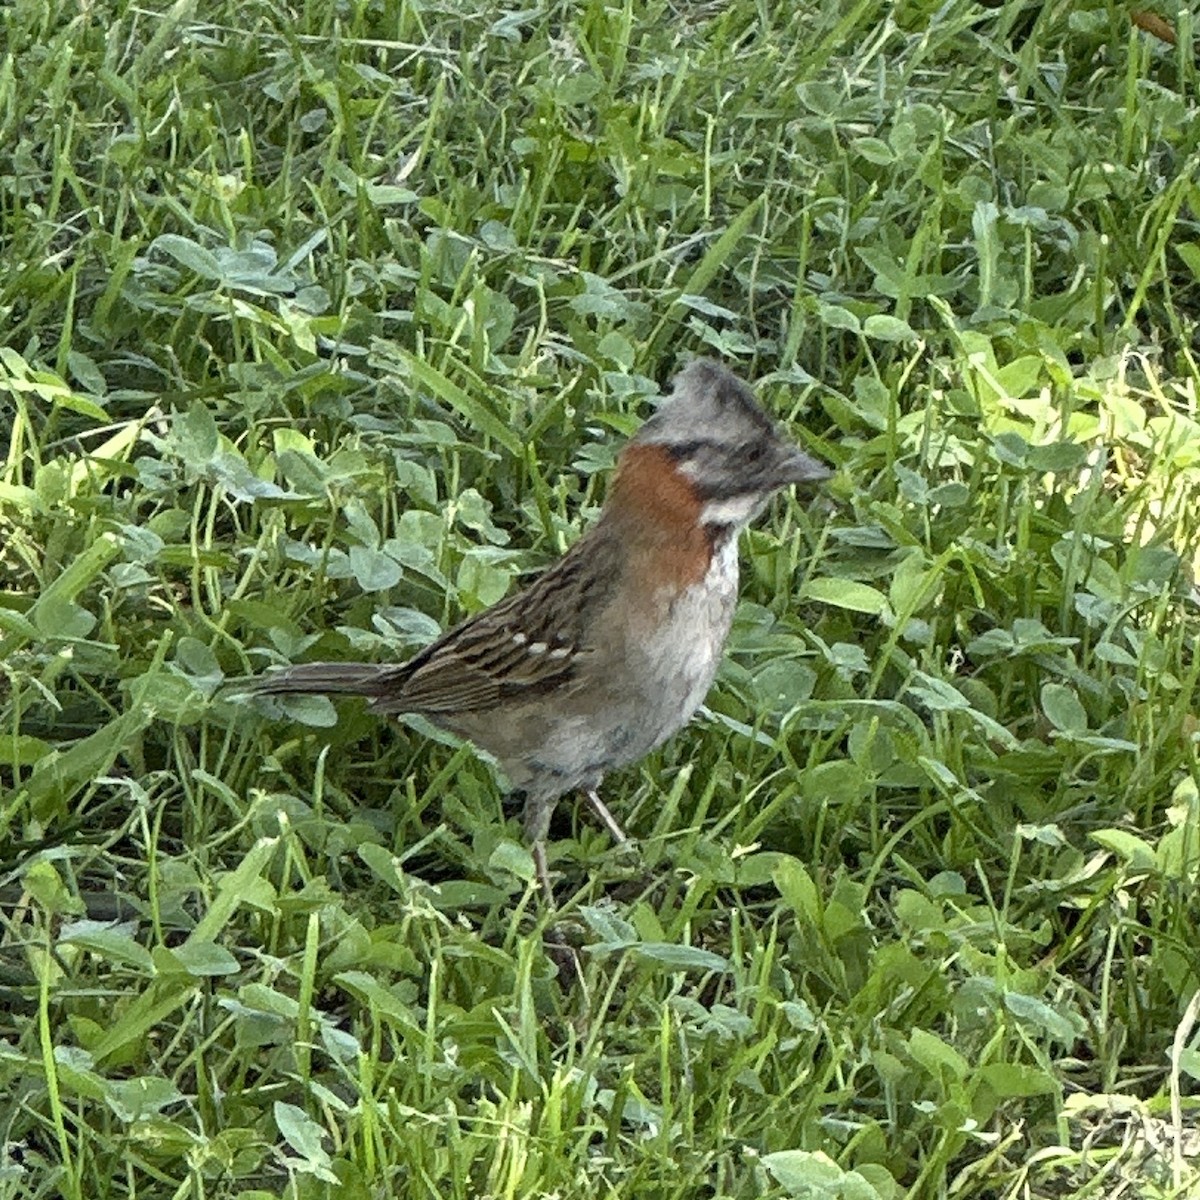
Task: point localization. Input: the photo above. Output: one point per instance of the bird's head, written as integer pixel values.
(721, 442)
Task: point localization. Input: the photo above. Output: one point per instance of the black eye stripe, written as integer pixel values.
(753, 452)
(682, 450)
(729, 491)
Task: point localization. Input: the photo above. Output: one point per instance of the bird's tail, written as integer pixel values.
(355, 679)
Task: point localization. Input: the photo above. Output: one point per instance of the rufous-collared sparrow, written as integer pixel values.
(610, 651)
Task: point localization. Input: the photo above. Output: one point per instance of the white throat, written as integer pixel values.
(737, 511)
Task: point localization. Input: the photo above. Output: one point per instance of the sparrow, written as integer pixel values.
(612, 649)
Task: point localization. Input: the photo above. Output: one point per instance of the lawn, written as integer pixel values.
(320, 328)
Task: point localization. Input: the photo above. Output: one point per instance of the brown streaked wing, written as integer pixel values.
(486, 660)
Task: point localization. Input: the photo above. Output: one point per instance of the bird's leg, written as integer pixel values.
(606, 818)
(538, 810)
(543, 872)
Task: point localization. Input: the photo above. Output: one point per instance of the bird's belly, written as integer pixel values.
(653, 682)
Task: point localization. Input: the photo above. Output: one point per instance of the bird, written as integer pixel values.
(613, 648)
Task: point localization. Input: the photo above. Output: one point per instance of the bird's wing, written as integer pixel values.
(525, 645)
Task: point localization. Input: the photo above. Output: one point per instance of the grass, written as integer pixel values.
(321, 327)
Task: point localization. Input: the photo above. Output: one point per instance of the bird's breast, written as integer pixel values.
(681, 656)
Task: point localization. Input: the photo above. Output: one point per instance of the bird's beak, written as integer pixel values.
(798, 467)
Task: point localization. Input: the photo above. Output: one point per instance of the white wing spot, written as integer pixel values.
(561, 652)
(538, 647)
(519, 639)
